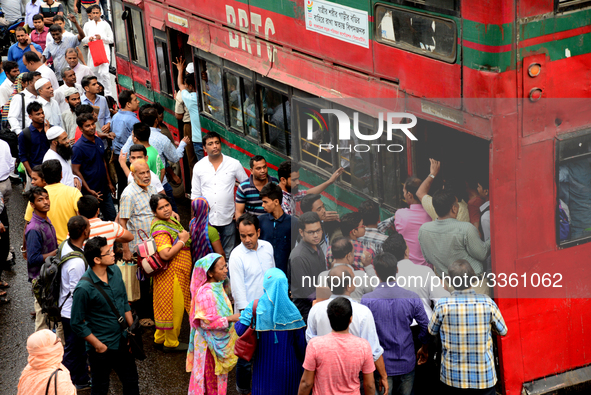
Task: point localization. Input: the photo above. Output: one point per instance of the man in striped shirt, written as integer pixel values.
(88, 206)
(247, 196)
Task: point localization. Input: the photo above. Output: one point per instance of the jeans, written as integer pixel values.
(122, 362)
(75, 355)
(107, 207)
(243, 376)
(198, 148)
(227, 236)
(399, 385)
(168, 190)
(105, 14)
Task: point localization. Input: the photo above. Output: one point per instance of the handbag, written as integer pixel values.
(135, 342)
(132, 283)
(97, 50)
(246, 344)
(149, 261)
(54, 377)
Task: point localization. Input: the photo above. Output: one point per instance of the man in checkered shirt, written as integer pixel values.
(464, 321)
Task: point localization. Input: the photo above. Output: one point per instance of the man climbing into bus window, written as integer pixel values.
(467, 363)
(455, 184)
(247, 194)
(446, 239)
(190, 100)
(331, 226)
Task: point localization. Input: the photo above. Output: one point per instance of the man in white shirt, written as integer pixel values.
(72, 99)
(7, 163)
(57, 49)
(214, 178)
(69, 78)
(72, 269)
(33, 63)
(248, 262)
(50, 107)
(8, 86)
(138, 151)
(19, 102)
(80, 69)
(97, 29)
(60, 149)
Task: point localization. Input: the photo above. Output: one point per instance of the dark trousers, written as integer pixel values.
(145, 306)
(168, 190)
(447, 390)
(122, 362)
(107, 207)
(75, 355)
(121, 178)
(427, 375)
(227, 236)
(243, 376)
(4, 241)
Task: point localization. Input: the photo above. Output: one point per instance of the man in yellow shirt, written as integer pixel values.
(63, 199)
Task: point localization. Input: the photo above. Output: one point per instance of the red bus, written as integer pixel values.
(497, 85)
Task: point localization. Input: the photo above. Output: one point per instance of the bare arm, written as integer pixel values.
(320, 188)
(369, 385)
(126, 237)
(123, 163)
(178, 116)
(180, 65)
(76, 171)
(307, 383)
(239, 210)
(426, 185)
(218, 249)
(381, 368)
(127, 255)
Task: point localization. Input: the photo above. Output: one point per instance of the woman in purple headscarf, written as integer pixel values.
(205, 239)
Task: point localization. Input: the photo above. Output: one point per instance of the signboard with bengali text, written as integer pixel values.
(337, 21)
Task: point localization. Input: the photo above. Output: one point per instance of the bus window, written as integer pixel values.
(314, 151)
(212, 90)
(276, 120)
(416, 32)
(574, 190)
(249, 109)
(234, 102)
(569, 5)
(162, 61)
(119, 30)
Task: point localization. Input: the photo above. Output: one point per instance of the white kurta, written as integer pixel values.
(102, 28)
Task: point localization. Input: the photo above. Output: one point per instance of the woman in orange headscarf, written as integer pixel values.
(45, 367)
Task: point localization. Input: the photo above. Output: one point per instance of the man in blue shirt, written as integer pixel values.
(91, 97)
(276, 226)
(191, 101)
(122, 126)
(32, 141)
(57, 48)
(23, 44)
(89, 165)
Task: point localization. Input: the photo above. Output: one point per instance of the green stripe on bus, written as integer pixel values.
(578, 45)
(486, 61)
(487, 34)
(559, 23)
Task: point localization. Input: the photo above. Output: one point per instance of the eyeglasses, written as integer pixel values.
(313, 232)
(360, 227)
(108, 253)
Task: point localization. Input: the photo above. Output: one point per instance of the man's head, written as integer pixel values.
(479, 183)
(395, 245)
(212, 144)
(90, 84)
(370, 212)
(38, 22)
(52, 170)
(30, 59)
(190, 81)
(340, 280)
(94, 13)
(36, 114)
(386, 266)
(11, 69)
(352, 225)
(29, 80)
(248, 228)
(342, 250)
(340, 314)
(78, 228)
(87, 124)
(44, 88)
(69, 76)
(128, 101)
(272, 196)
(58, 140)
(410, 188)
(310, 228)
(60, 21)
(284, 174)
(72, 57)
(22, 37)
(149, 116)
(445, 203)
(141, 133)
(56, 32)
(160, 109)
(312, 202)
(72, 97)
(461, 274)
(141, 173)
(39, 199)
(97, 252)
(137, 151)
(258, 168)
(84, 109)
(88, 206)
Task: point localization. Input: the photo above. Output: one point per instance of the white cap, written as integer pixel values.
(190, 68)
(40, 82)
(70, 91)
(54, 132)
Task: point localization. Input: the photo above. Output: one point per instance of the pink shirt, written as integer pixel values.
(337, 359)
(407, 223)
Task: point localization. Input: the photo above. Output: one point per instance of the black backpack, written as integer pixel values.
(46, 287)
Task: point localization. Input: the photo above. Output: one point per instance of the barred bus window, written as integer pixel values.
(235, 100)
(315, 148)
(135, 33)
(212, 90)
(394, 168)
(249, 109)
(276, 120)
(119, 30)
(162, 60)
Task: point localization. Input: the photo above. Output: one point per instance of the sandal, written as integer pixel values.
(4, 284)
(146, 322)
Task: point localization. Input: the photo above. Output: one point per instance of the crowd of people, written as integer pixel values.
(341, 304)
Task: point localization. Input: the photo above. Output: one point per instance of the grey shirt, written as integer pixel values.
(13, 9)
(58, 52)
(303, 268)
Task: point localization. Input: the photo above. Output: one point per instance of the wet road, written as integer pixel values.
(160, 374)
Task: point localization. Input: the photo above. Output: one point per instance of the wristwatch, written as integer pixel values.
(432, 176)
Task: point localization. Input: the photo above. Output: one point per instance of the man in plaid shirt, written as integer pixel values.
(464, 321)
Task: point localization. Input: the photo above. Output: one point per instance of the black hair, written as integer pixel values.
(256, 158)
(30, 57)
(215, 262)
(57, 18)
(462, 269)
(284, 170)
(155, 199)
(142, 132)
(308, 201)
(412, 185)
(33, 107)
(395, 245)
(55, 29)
(272, 191)
(9, 65)
(249, 219)
(159, 108)
(28, 77)
(477, 177)
(39, 170)
(83, 118)
(190, 79)
(34, 192)
(65, 70)
(125, 97)
(36, 17)
(92, 249)
(52, 170)
(386, 266)
(86, 80)
(88, 206)
(20, 28)
(349, 222)
(340, 247)
(443, 201)
(370, 212)
(84, 109)
(92, 8)
(209, 136)
(138, 148)
(76, 226)
(339, 312)
(306, 219)
(149, 116)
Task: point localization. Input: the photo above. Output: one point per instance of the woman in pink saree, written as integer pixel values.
(211, 346)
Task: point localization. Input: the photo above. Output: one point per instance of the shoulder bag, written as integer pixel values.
(54, 377)
(246, 344)
(149, 260)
